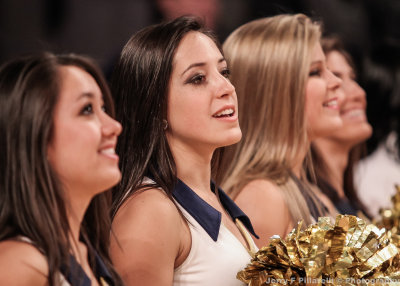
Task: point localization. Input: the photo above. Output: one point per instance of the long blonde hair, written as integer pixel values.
(269, 59)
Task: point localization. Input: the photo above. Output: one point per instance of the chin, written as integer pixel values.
(234, 137)
(335, 125)
(110, 180)
(358, 135)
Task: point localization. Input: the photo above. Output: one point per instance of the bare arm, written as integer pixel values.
(147, 243)
(264, 203)
(22, 264)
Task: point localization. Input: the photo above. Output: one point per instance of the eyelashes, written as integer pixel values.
(196, 79)
(200, 78)
(315, 72)
(226, 73)
(87, 109)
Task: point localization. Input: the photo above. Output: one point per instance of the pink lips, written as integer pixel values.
(109, 151)
(332, 103)
(227, 113)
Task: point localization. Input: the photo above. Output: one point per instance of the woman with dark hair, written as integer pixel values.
(335, 155)
(172, 225)
(57, 158)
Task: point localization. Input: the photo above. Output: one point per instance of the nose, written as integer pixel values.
(110, 126)
(224, 86)
(355, 91)
(334, 82)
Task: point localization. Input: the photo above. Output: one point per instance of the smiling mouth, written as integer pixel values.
(331, 103)
(108, 151)
(355, 113)
(225, 113)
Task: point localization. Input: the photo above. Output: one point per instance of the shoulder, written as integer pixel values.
(260, 190)
(263, 201)
(147, 240)
(149, 212)
(150, 204)
(22, 264)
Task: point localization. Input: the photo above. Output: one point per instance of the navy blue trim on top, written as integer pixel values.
(76, 276)
(208, 217)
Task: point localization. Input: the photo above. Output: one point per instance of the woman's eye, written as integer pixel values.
(87, 109)
(226, 73)
(339, 75)
(315, 72)
(197, 79)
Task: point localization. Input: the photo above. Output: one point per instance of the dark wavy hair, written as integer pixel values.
(330, 44)
(140, 89)
(32, 199)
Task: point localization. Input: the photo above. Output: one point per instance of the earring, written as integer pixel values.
(165, 124)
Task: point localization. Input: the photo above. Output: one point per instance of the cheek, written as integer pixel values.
(314, 111)
(315, 96)
(315, 90)
(75, 141)
(187, 110)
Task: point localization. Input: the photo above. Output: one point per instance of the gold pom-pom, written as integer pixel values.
(390, 218)
(349, 252)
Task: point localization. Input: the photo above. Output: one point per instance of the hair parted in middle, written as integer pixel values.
(139, 85)
(33, 201)
(269, 59)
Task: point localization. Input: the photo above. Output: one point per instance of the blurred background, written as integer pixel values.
(370, 30)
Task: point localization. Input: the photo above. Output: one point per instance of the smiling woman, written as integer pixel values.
(56, 159)
(83, 132)
(336, 153)
(201, 90)
(287, 97)
(174, 97)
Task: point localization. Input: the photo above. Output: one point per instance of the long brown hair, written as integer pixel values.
(32, 200)
(140, 88)
(330, 44)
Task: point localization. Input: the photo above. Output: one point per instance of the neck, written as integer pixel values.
(193, 166)
(298, 166)
(76, 209)
(335, 156)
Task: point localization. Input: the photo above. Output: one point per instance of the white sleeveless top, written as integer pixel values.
(211, 262)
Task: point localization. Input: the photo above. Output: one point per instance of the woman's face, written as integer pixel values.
(202, 103)
(82, 148)
(355, 127)
(323, 97)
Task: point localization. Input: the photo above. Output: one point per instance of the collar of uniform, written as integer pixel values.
(77, 276)
(208, 217)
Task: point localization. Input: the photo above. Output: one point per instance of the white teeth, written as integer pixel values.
(355, 113)
(108, 151)
(228, 111)
(331, 103)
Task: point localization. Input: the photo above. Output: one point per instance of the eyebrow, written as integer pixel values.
(88, 95)
(200, 65)
(317, 62)
(85, 95)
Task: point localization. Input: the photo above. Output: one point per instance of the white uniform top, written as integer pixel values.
(214, 258)
(375, 176)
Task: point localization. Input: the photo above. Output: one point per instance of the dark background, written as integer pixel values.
(370, 30)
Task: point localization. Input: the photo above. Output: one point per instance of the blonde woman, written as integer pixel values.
(287, 97)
